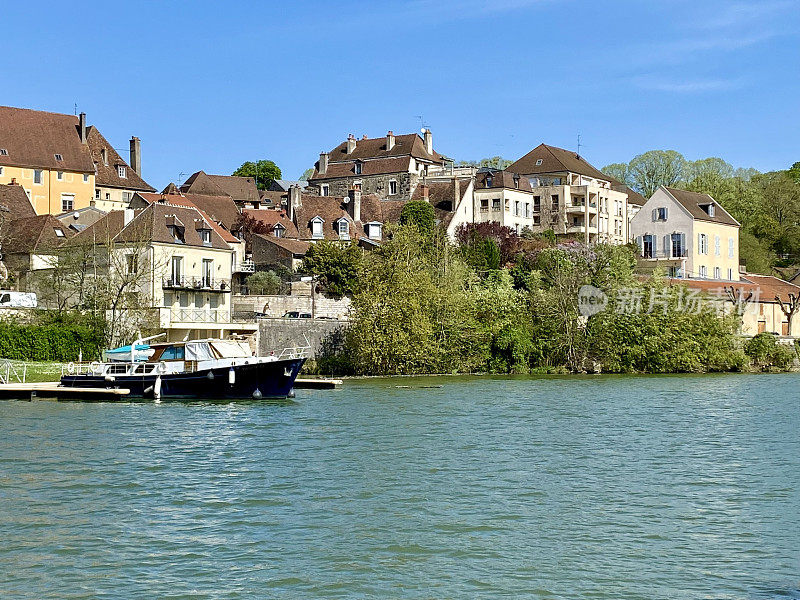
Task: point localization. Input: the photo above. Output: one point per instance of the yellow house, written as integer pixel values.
(689, 234)
(48, 155)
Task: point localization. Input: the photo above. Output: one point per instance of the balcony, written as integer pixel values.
(199, 315)
(208, 284)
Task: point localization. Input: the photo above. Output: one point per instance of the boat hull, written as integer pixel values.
(273, 379)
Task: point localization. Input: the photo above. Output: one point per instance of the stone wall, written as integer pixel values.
(277, 306)
(276, 334)
(375, 184)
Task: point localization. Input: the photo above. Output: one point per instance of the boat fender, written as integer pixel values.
(257, 394)
(148, 390)
(231, 376)
(287, 372)
(96, 367)
(109, 378)
(162, 367)
(71, 368)
(210, 375)
(157, 389)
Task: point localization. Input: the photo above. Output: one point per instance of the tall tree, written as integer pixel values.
(263, 171)
(655, 168)
(619, 171)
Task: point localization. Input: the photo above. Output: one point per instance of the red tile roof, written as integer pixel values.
(219, 204)
(108, 174)
(14, 203)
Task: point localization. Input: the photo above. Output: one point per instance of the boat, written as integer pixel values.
(209, 368)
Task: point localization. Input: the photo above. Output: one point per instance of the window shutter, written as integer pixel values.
(640, 243)
(654, 241)
(666, 213)
(700, 243)
(655, 214)
(683, 244)
(667, 246)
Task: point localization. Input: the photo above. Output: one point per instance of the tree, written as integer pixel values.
(264, 283)
(619, 171)
(505, 239)
(245, 226)
(495, 162)
(337, 267)
(307, 174)
(263, 171)
(655, 168)
(420, 214)
(789, 308)
(794, 172)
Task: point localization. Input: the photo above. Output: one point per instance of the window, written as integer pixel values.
(97, 194)
(205, 235)
(324, 189)
(3, 152)
(716, 245)
(316, 229)
(717, 274)
(1, 171)
(527, 210)
(126, 196)
(554, 200)
(168, 299)
(173, 352)
(678, 245)
(37, 176)
(538, 161)
(122, 171)
(85, 178)
(648, 246)
(536, 219)
(278, 230)
(489, 180)
(132, 262)
(183, 299)
(496, 204)
(177, 271)
(358, 168)
(60, 175)
(710, 210)
(208, 272)
(108, 196)
(702, 243)
(104, 156)
(485, 205)
(537, 203)
(357, 186)
(516, 208)
(730, 274)
(392, 187)
(59, 157)
(731, 248)
(660, 214)
(58, 232)
(374, 231)
(344, 229)
(703, 272)
(67, 203)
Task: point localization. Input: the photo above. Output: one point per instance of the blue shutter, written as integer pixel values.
(655, 214)
(667, 246)
(683, 244)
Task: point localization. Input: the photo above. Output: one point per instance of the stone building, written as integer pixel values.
(390, 167)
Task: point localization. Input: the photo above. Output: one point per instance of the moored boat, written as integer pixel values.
(211, 369)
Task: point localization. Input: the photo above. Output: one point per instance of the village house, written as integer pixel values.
(390, 167)
(506, 198)
(242, 190)
(184, 262)
(62, 163)
(688, 234)
(570, 196)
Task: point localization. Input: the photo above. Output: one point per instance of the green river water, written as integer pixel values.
(552, 487)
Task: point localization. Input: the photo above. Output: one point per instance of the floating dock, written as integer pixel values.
(52, 390)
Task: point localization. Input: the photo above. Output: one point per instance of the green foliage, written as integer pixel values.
(263, 171)
(338, 267)
(264, 283)
(794, 172)
(766, 353)
(307, 174)
(53, 337)
(495, 162)
(420, 214)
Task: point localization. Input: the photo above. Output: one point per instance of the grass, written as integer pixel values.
(34, 371)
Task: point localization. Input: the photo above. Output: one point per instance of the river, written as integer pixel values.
(551, 487)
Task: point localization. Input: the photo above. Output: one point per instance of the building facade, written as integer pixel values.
(687, 234)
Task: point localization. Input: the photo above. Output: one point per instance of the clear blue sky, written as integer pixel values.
(208, 85)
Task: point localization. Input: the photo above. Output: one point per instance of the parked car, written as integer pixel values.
(296, 314)
(18, 300)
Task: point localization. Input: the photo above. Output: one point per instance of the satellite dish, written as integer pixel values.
(76, 215)
(422, 130)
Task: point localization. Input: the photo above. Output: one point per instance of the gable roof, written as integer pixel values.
(33, 235)
(32, 138)
(103, 230)
(330, 209)
(296, 247)
(241, 189)
(152, 224)
(107, 173)
(555, 160)
(283, 185)
(441, 194)
(220, 208)
(15, 203)
(763, 287)
(692, 202)
(271, 218)
(502, 179)
(85, 217)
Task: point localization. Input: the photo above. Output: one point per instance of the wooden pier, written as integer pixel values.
(52, 390)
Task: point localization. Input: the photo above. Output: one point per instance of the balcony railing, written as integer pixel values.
(210, 284)
(199, 315)
(246, 266)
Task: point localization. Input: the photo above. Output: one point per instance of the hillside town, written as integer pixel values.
(183, 255)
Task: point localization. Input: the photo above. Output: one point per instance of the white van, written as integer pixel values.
(18, 300)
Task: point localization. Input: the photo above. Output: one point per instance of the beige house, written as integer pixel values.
(506, 198)
(688, 234)
(115, 180)
(572, 197)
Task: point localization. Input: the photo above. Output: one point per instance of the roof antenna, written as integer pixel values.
(579, 145)
(75, 108)
(422, 124)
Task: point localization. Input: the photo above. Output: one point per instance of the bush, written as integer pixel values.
(767, 353)
(337, 267)
(419, 213)
(53, 338)
(266, 283)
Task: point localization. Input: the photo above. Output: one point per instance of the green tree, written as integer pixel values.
(307, 174)
(420, 214)
(619, 171)
(794, 172)
(264, 283)
(338, 267)
(655, 168)
(263, 171)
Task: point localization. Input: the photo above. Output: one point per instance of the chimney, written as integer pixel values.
(13, 181)
(456, 194)
(128, 214)
(425, 192)
(354, 206)
(351, 143)
(295, 201)
(323, 163)
(136, 155)
(82, 127)
(428, 141)
(389, 140)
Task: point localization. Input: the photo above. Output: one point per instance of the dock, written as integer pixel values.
(52, 390)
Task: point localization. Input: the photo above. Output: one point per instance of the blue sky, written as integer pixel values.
(208, 85)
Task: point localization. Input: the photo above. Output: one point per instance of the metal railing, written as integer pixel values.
(199, 315)
(9, 373)
(213, 284)
(246, 266)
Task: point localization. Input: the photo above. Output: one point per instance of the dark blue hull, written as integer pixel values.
(262, 380)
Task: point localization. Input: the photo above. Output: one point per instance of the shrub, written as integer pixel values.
(264, 283)
(54, 337)
(765, 352)
(419, 213)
